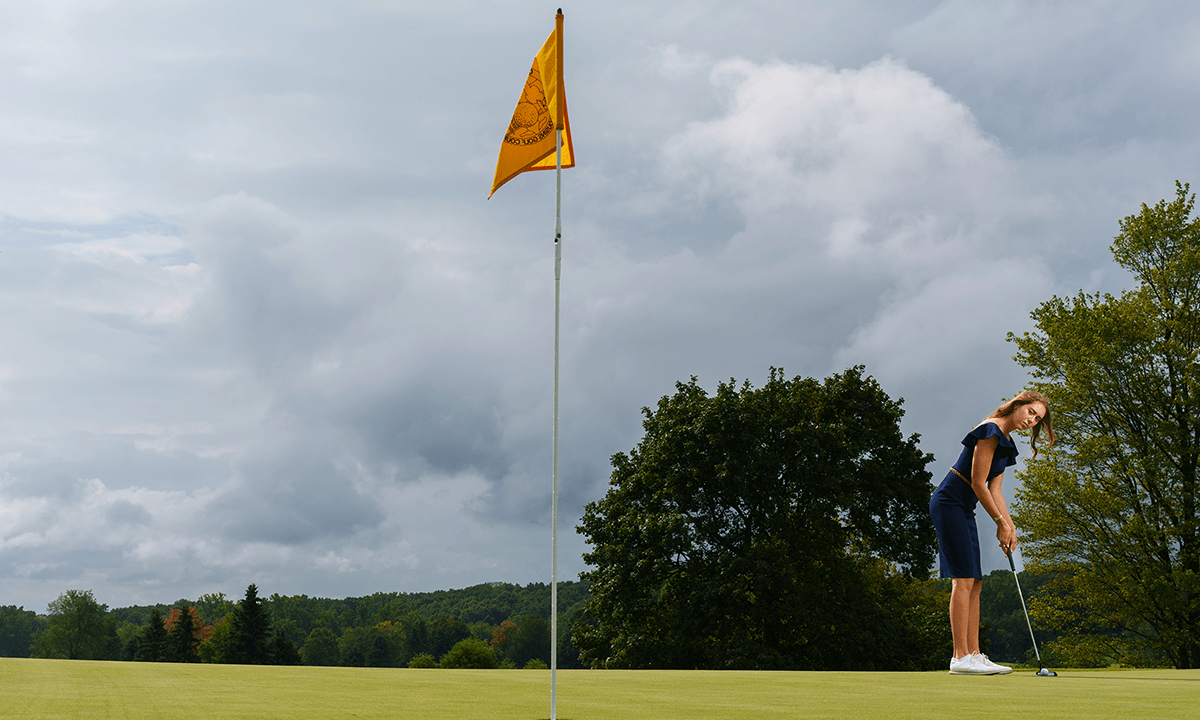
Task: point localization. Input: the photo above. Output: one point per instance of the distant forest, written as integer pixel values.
(490, 625)
(483, 626)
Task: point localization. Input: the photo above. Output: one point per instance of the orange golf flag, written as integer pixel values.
(529, 143)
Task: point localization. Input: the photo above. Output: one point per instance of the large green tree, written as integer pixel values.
(153, 641)
(470, 654)
(1111, 510)
(321, 648)
(183, 635)
(249, 635)
(784, 527)
(79, 628)
(17, 626)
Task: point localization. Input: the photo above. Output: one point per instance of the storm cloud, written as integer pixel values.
(261, 325)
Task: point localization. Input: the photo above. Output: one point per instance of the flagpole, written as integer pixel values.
(554, 513)
(558, 111)
(516, 156)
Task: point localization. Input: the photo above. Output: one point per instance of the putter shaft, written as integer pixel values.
(1028, 624)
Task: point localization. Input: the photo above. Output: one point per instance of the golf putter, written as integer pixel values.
(1043, 672)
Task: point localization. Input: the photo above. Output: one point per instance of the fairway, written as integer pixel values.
(46, 689)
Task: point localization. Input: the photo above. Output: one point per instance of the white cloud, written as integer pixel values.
(881, 144)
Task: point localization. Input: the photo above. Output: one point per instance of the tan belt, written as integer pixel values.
(960, 475)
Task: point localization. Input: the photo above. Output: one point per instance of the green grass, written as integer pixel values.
(46, 689)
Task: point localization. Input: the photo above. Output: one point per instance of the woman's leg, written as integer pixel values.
(964, 596)
(973, 618)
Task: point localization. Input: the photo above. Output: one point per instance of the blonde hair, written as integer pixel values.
(1028, 397)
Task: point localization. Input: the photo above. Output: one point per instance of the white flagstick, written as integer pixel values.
(559, 117)
(554, 512)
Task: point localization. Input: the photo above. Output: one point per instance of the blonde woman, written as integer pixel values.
(978, 477)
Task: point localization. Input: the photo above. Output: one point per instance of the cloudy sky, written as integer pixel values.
(258, 322)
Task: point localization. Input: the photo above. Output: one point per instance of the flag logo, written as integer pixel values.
(532, 121)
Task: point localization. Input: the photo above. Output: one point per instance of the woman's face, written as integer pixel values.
(1030, 415)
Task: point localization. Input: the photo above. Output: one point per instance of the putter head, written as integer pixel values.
(1046, 673)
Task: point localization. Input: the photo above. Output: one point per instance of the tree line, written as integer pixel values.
(344, 632)
(489, 625)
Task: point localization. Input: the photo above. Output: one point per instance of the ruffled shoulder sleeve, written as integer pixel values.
(1004, 446)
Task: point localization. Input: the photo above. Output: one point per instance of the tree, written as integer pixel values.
(16, 630)
(470, 654)
(153, 641)
(568, 652)
(355, 646)
(418, 639)
(532, 641)
(78, 629)
(249, 637)
(503, 637)
(214, 605)
(127, 641)
(281, 650)
(1111, 511)
(218, 648)
(185, 632)
(775, 528)
(444, 632)
(321, 648)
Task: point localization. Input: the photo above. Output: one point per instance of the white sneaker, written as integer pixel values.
(984, 661)
(968, 665)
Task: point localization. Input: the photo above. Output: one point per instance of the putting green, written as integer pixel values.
(45, 689)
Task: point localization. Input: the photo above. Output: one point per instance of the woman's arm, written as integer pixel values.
(996, 488)
(981, 463)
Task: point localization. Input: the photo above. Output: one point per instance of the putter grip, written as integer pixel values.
(1010, 561)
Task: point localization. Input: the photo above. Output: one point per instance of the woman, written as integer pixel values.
(978, 476)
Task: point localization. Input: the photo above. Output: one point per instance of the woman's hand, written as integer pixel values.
(1006, 534)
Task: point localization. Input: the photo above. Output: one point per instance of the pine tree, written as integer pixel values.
(152, 640)
(183, 638)
(249, 644)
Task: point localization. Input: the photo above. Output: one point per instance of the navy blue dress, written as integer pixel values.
(952, 506)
